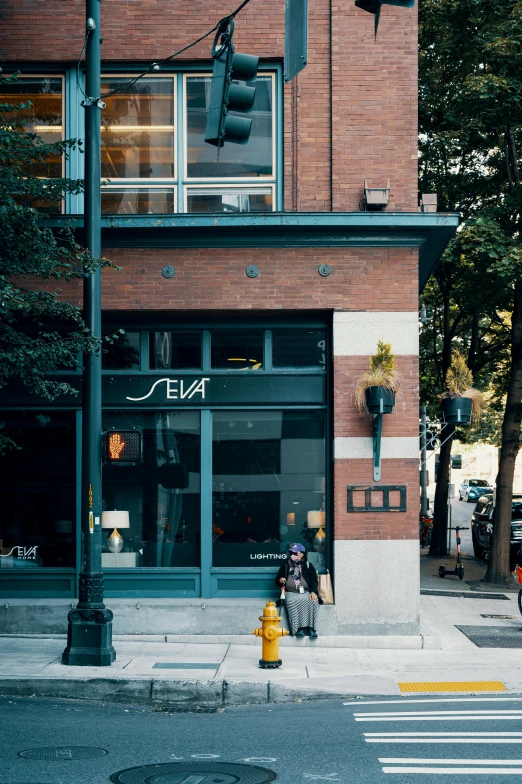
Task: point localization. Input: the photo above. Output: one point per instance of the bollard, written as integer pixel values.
(270, 632)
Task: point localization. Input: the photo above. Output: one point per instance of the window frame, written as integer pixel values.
(62, 77)
(135, 180)
(193, 180)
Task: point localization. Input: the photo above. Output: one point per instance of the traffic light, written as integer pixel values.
(456, 461)
(226, 94)
(123, 446)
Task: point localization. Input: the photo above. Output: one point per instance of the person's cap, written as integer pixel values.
(297, 548)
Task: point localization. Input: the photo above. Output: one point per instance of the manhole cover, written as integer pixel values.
(194, 773)
(63, 753)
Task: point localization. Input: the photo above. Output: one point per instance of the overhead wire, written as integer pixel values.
(155, 66)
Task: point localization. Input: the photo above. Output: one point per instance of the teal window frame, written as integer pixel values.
(205, 581)
(180, 184)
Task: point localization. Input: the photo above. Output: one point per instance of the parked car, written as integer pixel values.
(482, 524)
(471, 489)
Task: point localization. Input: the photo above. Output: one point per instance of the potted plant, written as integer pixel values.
(461, 402)
(375, 390)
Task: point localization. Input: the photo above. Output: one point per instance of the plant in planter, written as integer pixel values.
(461, 402)
(375, 390)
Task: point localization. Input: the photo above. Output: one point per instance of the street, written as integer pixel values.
(358, 740)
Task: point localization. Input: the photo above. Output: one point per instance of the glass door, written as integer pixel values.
(268, 487)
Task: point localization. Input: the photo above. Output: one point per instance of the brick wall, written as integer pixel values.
(376, 525)
(351, 113)
(373, 279)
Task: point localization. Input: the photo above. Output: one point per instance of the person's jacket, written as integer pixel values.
(309, 574)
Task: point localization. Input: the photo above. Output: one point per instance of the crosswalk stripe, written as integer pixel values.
(443, 734)
(501, 717)
(411, 701)
(453, 771)
(445, 740)
(441, 713)
(428, 761)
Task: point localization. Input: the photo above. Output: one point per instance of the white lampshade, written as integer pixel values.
(315, 519)
(115, 519)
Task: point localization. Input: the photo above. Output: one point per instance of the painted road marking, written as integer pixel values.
(490, 717)
(405, 701)
(422, 761)
(454, 771)
(441, 713)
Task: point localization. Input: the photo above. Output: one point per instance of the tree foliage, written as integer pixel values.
(40, 332)
(470, 135)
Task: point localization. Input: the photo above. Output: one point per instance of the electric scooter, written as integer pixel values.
(458, 571)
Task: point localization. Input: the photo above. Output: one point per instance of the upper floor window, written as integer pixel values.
(154, 155)
(154, 159)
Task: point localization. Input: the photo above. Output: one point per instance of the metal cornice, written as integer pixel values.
(429, 232)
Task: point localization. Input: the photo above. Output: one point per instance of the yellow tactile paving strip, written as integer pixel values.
(434, 686)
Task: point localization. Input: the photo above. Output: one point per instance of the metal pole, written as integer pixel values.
(89, 634)
(423, 471)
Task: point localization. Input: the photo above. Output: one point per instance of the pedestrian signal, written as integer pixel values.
(123, 446)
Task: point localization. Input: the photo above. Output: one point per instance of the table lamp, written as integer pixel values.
(317, 519)
(115, 519)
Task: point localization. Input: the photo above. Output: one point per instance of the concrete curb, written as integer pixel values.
(397, 642)
(167, 693)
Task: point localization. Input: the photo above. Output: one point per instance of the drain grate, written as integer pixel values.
(493, 636)
(194, 773)
(187, 709)
(49, 753)
(465, 594)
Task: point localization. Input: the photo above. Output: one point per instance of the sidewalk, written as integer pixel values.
(155, 670)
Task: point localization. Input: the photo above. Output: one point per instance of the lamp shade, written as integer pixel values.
(315, 518)
(115, 519)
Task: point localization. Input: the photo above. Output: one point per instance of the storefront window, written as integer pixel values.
(236, 351)
(161, 493)
(123, 353)
(176, 350)
(299, 348)
(38, 490)
(268, 486)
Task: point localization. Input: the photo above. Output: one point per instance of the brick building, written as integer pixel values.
(240, 353)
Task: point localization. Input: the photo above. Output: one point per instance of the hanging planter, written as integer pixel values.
(379, 400)
(462, 404)
(456, 410)
(375, 393)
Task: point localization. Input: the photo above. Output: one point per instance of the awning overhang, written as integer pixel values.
(429, 232)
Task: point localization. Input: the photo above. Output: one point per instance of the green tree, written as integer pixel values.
(40, 332)
(470, 123)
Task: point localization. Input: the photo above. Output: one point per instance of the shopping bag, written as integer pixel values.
(325, 588)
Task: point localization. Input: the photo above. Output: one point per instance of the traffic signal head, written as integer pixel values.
(227, 95)
(123, 446)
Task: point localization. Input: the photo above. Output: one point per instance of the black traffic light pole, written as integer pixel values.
(89, 632)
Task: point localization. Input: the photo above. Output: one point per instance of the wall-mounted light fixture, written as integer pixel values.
(375, 199)
(428, 202)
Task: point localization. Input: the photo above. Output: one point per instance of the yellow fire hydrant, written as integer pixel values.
(270, 632)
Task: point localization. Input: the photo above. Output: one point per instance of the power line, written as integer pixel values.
(156, 66)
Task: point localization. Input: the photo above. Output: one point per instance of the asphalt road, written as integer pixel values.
(362, 741)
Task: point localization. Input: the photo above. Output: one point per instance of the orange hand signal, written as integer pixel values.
(116, 445)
